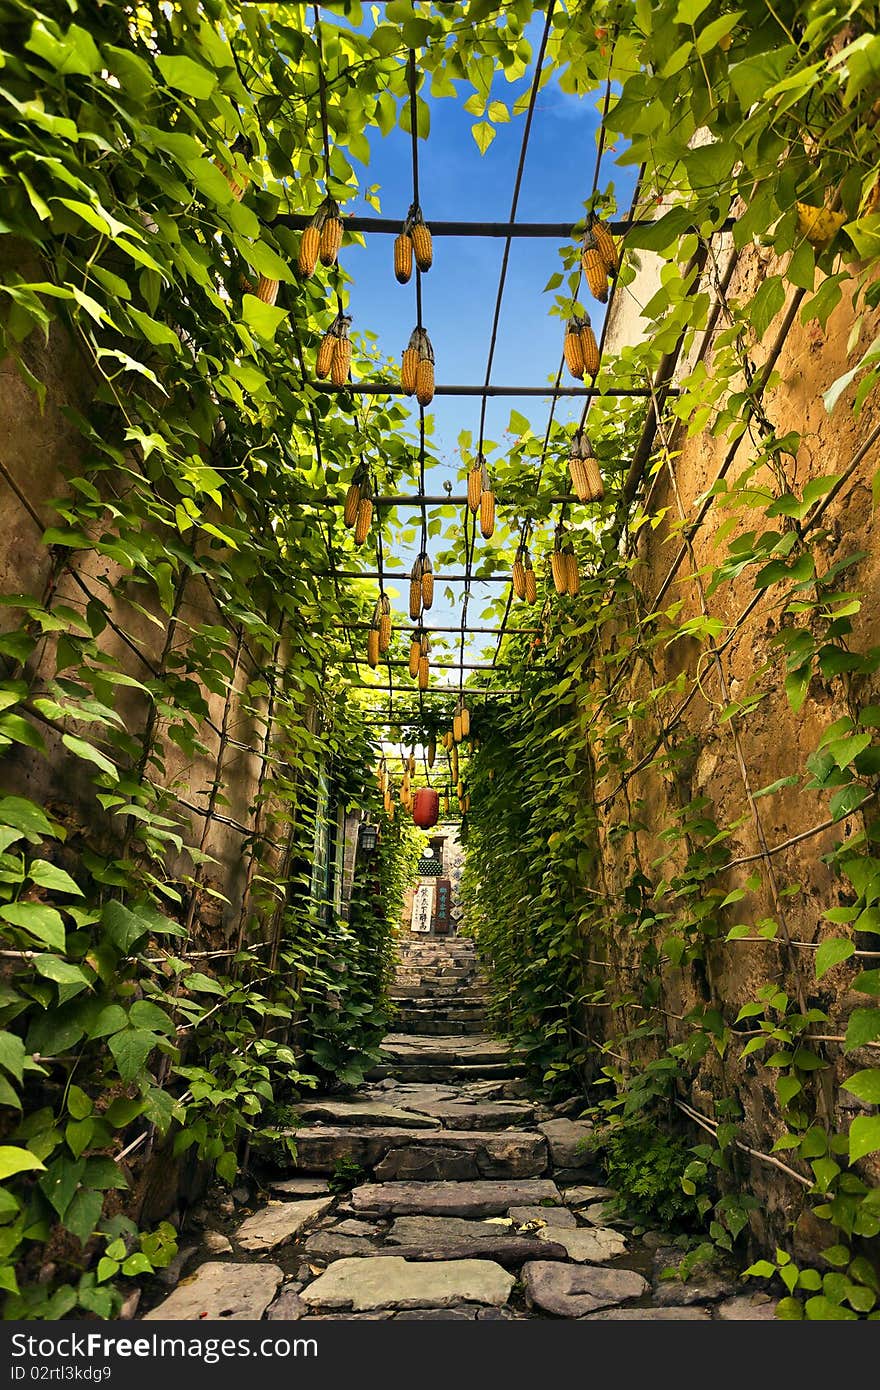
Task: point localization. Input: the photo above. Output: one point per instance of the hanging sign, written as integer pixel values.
(423, 907)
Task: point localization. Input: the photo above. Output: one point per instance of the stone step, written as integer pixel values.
(363, 1285)
(479, 1198)
(427, 1026)
(395, 1155)
(456, 1238)
(446, 1049)
(404, 1110)
(441, 1071)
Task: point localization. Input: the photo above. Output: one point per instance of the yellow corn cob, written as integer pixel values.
(415, 598)
(595, 486)
(425, 381)
(456, 728)
(331, 233)
(341, 361)
(267, 290)
(606, 245)
(594, 268)
(352, 498)
(572, 574)
(531, 586)
(414, 654)
(459, 791)
(389, 804)
(373, 646)
(487, 514)
(385, 632)
(474, 487)
(411, 765)
(465, 717)
(559, 571)
(364, 520)
(422, 244)
(454, 763)
(408, 367)
(424, 672)
(403, 257)
(589, 349)
(324, 359)
(432, 751)
(309, 246)
(578, 470)
(391, 811)
(237, 180)
(574, 357)
(447, 739)
(427, 586)
(519, 576)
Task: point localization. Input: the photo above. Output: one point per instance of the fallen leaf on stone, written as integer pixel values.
(497, 1221)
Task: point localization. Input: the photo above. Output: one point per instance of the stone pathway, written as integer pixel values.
(477, 1201)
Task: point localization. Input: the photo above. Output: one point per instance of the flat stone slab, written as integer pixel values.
(446, 1048)
(750, 1307)
(469, 1115)
(648, 1315)
(583, 1196)
(278, 1223)
(594, 1245)
(299, 1187)
(453, 1238)
(671, 1293)
(237, 1292)
(287, 1307)
(571, 1291)
(596, 1213)
(365, 1112)
(566, 1141)
(430, 1155)
(484, 1198)
(551, 1216)
(330, 1245)
(363, 1285)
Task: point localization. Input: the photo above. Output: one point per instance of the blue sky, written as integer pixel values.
(458, 183)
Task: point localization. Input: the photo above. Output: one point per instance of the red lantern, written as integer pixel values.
(426, 807)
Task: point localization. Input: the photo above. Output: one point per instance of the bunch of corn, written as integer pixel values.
(334, 352)
(322, 238)
(421, 583)
(267, 290)
(594, 267)
(447, 740)
(414, 238)
(461, 722)
(353, 496)
(415, 652)
(524, 583)
(585, 476)
(417, 367)
(580, 347)
(424, 667)
(373, 644)
(382, 621)
(572, 574)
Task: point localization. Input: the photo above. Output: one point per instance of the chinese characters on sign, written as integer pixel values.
(423, 907)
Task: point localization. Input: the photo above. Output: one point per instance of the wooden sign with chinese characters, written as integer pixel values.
(443, 907)
(423, 907)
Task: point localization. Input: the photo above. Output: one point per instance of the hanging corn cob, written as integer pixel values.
(411, 764)
(409, 362)
(324, 359)
(422, 668)
(432, 752)
(585, 476)
(465, 716)
(531, 582)
(331, 232)
(415, 599)
(341, 363)
(364, 513)
(420, 233)
(403, 256)
(580, 347)
(475, 484)
(385, 628)
(267, 290)
(456, 730)
(519, 575)
(415, 652)
(558, 566)
(454, 754)
(353, 495)
(589, 347)
(447, 740)
(426, 579)
(605, 243)
(373, 645)
(572, 574)
(425, 374)
(424, 672)
(487, 513)
(594, 268)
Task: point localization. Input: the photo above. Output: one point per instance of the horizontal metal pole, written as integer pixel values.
(394, 388)
(403, 574)
(391, 226)
(435, 665)
(453, 692)
(415, 500)
(493, 631)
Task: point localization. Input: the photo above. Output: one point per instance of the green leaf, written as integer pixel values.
(484, 134)
(185, 75)
(262, 318)
(202, 984)
(131, 1049)
(832, 952)
(864, 1136)
(37, 919)
(79, 1105)
(865, 1084)
(12, 1055)
(23, 815)
(47, 876)
(137, 1264)
(83, 1214)
(121, 926)
(89, 754)
(74, 52)
(14, 1160)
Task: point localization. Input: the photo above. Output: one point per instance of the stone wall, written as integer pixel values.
(731, 760)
